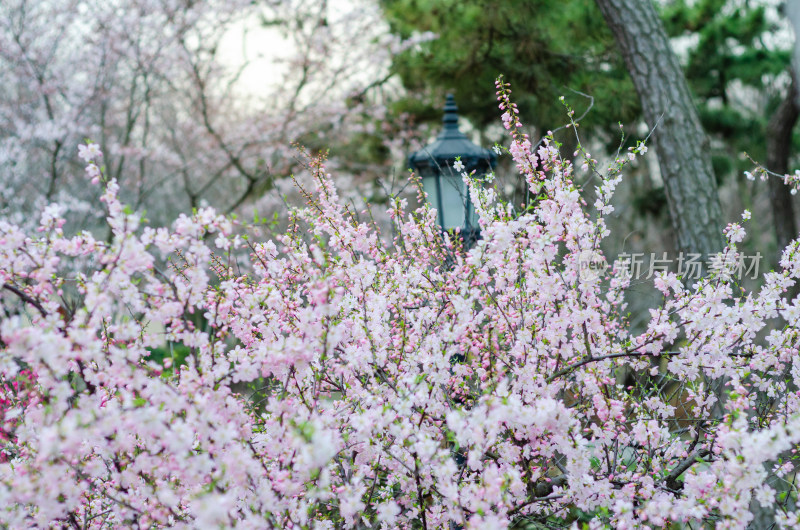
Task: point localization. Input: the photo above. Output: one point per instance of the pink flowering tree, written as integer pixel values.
(166, 89)
(338, 377)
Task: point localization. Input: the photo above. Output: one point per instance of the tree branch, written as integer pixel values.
(672, 481)
(25, 298)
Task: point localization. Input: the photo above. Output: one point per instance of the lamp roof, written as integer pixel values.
(452, 143)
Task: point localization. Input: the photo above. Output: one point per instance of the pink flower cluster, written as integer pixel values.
(14, 399)
(330, 378)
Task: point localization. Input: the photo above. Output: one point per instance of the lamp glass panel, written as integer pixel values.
(429, 185)
(473, 215)
(453, 200)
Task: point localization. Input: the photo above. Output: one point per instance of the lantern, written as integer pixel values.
(445, 187)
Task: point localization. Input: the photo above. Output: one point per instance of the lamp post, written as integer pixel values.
(448, 193)
(445, 187)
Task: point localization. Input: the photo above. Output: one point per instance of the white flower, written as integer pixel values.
(222, 242)
(497, 149)
(458, 165)
(794, 191)
(388, 512)
(735, 233)
(746, 215)
(489, 177)
(89, 152)
(93, 173)
(749, 175)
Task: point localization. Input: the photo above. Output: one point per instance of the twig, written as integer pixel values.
(572, 122)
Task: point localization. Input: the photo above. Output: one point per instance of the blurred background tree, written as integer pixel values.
(167, 89)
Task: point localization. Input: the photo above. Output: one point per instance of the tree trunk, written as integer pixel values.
(779, 143)
(681, 144)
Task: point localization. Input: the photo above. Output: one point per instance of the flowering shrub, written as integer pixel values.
(336, 379)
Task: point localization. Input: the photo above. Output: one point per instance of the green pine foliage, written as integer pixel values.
(733, 56)
(546, 48)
